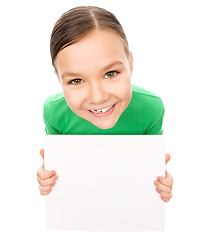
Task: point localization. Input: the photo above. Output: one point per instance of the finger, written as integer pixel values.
(164, 194)
(165, 199)
(167, 158)
(47, 181)
(167, 181)
(167, 175)
(45, 174)
(45, 193)
(46, 188)
(42, 153)
(41, 168)
(39, 171)
(161, 187)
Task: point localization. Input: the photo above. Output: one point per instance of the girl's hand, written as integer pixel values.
(164, 185)
(46, 179)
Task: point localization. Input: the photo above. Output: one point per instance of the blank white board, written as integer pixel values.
(106, 182)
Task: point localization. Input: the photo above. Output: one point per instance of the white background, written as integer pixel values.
(164, 38)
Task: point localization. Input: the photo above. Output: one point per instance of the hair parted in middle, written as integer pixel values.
(76, 23)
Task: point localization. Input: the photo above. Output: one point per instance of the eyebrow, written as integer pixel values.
(68, 74)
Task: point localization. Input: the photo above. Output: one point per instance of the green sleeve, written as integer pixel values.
(49, 120)
(156, 127)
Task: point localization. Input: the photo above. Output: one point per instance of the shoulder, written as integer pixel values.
(54, 103)
(54, 98)
(147, 98)
(144, 93)
(54, 111)
(148, 109)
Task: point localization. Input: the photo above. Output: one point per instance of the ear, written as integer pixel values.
(57, 75)
(131, 63)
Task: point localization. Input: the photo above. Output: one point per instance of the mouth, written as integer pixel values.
(102, 112)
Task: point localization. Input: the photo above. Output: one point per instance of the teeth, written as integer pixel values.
(102, 110)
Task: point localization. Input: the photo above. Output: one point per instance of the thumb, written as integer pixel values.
(167, 158)
(42, 153)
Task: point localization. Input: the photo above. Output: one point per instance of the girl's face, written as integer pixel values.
(95, 77)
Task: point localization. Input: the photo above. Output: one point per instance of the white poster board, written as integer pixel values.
(106, 182)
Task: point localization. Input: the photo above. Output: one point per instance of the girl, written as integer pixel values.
(92, 61)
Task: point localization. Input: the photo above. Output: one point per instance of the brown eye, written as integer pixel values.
(76, 81)
(111, 74)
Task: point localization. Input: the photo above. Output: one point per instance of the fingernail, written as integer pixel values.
(56, 177)
(164, 199)
(54, 173)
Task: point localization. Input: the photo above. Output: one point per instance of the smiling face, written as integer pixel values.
(95, 76)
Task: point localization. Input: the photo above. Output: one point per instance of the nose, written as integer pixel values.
(97, 93)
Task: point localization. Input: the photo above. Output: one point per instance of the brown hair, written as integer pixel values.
(76, 23)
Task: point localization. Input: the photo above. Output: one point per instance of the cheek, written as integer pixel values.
(72, 104)
(73, 100)
(70, 99)
(125, 88)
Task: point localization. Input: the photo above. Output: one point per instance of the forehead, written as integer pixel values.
(97, 49)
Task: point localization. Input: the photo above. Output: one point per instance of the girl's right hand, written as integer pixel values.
(46, 179)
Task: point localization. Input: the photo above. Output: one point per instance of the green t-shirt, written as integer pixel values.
(144, 115)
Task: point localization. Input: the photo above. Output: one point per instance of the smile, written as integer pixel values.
(104, 110)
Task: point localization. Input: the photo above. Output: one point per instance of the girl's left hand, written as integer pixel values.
(164, 185)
